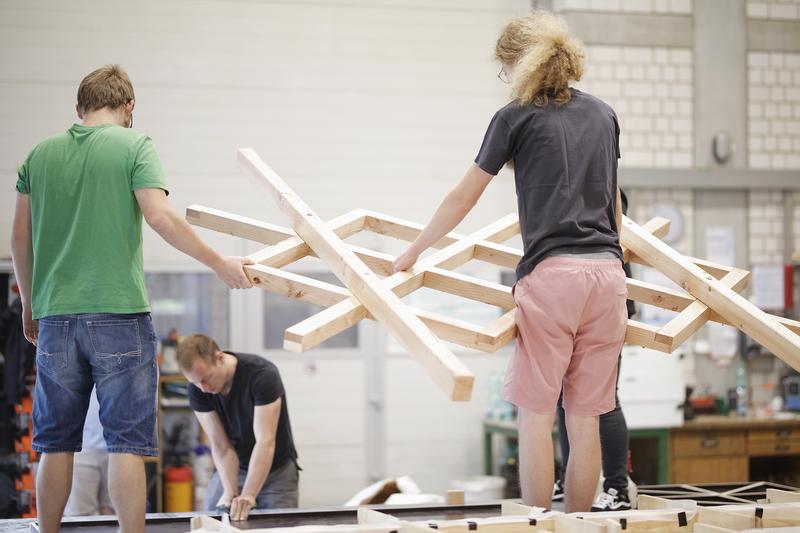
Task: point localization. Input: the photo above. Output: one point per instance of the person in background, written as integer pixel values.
(613, 440)
(240, 402)
(89, 494)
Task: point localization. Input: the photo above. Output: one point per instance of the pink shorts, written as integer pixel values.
(571, 319)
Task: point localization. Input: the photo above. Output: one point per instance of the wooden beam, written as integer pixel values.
(381, 263)
(293, 249)
(514, 508)
(447, 371)
(469, 287)
(716, 295)
(658, 296)
(489, 251)
(641, 334)
(725, 518)
(694, 316)
(502, 330)
(238, 226)
(658, 226)
(675, 300)
(572, 524)
(490, 338)
(782, 496)
(317, 292)
(366, 516)
(296, 286)
(322, 326)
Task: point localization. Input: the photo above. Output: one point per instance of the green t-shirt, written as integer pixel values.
(87, 225)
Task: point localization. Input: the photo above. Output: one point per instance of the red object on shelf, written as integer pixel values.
(788, 287)
(178, 474)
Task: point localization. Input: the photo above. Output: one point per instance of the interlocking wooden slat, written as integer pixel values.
(710, 286)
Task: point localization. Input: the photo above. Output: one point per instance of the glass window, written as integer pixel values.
(281, 312)
(190, 302)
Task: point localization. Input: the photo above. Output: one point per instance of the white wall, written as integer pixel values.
(378, 104)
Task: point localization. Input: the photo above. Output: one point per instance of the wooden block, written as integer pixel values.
(571, 524)
(446, 369)
(642, 334)
(782, 496)
(514, 508)
(455, 497)
(724, 518)
(410, 527)
(713, 293)
(706, 528)
(370, 516)
(647, 502)
(502, 330)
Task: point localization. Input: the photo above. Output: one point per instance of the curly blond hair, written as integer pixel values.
(544, 56)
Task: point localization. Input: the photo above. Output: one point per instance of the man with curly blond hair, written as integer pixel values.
(570, 291)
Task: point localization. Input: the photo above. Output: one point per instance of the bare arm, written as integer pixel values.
(450, 213)
(225, 458)
(265, 427)
(160, 216)
(22, 257)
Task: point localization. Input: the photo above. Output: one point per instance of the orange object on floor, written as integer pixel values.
(178, 485)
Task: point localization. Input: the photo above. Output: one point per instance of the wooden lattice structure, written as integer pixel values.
(711, 291)
(779, 513)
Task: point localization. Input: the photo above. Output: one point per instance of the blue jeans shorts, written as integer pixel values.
(114, 353)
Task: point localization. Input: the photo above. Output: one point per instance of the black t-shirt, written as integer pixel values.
(255, 382)
(565, 166)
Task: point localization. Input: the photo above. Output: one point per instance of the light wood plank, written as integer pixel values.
(724, 300)
(318, 328)
(691, 319)
(725, 518)
(446, 370)
(658, 226)
(783, 496)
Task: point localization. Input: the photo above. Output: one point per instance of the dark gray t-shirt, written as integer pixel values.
(565, 166)
(255, 382)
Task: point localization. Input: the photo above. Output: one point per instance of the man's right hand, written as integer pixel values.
(231, 273)
(225, 501)
(30, 327)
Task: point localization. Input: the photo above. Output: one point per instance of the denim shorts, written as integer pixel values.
(112, 352)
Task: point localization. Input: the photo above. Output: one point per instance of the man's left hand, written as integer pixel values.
(241, 506)
(30, 327)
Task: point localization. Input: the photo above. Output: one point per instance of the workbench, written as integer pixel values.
(706, 449)
(508, 428)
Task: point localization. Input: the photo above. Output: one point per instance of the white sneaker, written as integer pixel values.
(612, 500)
(558, 491)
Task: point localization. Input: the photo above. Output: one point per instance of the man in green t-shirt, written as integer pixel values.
(77, 251)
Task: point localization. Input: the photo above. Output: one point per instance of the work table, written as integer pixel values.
(706, 449)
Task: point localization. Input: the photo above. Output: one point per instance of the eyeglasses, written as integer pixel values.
(502, 76)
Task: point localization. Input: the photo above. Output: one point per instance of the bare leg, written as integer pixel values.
(53, 485)
(536, 463)
(127, 487)
(583, 469)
